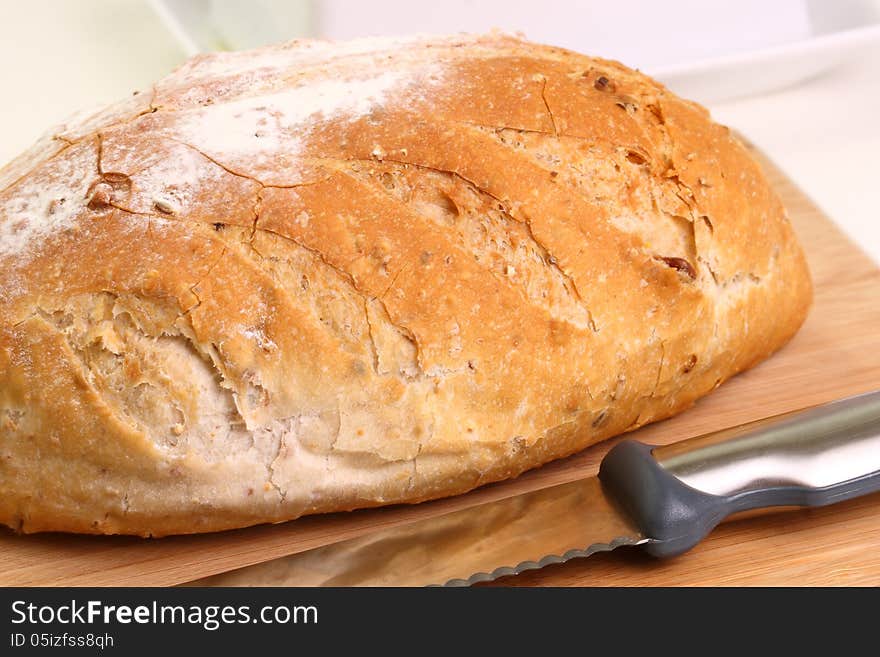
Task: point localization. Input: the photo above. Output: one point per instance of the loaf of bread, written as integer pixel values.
(317, 277)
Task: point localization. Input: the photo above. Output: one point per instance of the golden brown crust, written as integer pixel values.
(317, 277)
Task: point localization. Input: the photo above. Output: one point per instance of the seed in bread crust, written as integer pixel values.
(681, 265)
(164, 205)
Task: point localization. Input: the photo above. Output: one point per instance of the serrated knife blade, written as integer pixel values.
(476, 544)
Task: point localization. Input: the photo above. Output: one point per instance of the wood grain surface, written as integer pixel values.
(836, 353)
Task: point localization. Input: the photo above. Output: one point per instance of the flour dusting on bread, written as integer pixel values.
(49, 202)
(262, 125)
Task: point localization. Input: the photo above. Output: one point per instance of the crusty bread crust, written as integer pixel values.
(318, 276)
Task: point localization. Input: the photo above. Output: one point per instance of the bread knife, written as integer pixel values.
(663, 499)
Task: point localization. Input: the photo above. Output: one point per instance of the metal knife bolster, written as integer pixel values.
(678, 493)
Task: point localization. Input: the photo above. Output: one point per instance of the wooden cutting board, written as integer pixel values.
(836, 353)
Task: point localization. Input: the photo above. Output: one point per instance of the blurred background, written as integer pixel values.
(800, 78)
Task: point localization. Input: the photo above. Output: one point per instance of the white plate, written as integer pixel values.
(746, 74)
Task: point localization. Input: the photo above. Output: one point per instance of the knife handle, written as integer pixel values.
(677, 494)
